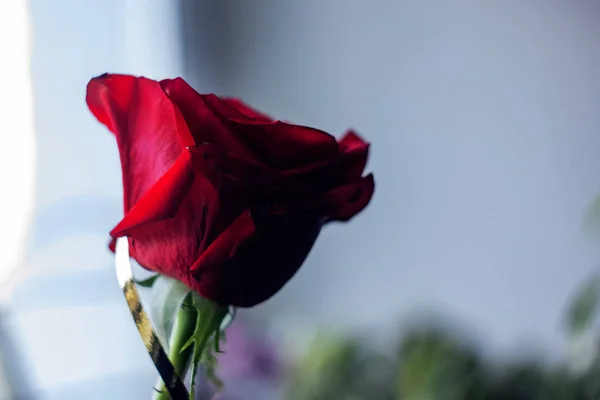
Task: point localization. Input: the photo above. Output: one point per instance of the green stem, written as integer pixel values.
(183, 329)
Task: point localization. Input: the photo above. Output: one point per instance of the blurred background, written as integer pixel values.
(469, 276)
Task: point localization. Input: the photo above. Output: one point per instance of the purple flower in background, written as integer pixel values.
(250, 365)
(248, 356)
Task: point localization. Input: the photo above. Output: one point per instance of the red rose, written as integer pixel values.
(218, 195)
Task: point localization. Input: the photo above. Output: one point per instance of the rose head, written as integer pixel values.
(218, 195)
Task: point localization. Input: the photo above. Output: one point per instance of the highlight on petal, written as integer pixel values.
(162, 201)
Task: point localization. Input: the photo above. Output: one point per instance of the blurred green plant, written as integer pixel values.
(433, 364)
(341, 368)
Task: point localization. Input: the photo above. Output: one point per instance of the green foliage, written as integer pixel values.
(340, 368)
(432, 364)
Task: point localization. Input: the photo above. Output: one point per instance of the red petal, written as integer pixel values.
(148, 130)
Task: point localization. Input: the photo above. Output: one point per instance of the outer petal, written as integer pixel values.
(243, 131)
(145, 124)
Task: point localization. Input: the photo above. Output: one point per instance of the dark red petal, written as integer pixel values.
(145, 124)
(112, 245)
(348, 200)
(345, 167)
(203, 125)
(226, 244)
(266, 254)
(290, 193)
(277, 144)
(261, 182)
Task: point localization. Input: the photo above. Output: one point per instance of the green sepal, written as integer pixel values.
(148, 282)
(206, 338)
